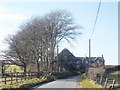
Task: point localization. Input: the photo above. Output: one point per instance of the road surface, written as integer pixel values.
(61, 83)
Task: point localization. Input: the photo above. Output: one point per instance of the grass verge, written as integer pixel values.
(114, 75)
(27, 84)
(85, 83)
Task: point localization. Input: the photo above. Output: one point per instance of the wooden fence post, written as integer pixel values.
(24, 75)
(5, 78)
(101, 80)
(11, 77)
(16, 77)
(28, 74)
(31, 75)
(105, 83)
(21, 76)
(112, 88)
(97, 80)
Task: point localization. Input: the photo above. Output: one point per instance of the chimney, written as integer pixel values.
(102, 56)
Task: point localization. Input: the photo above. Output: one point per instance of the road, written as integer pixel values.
(61, 83)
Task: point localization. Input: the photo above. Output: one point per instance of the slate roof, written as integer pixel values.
(66, 52)
(91, 58)
(81, 58)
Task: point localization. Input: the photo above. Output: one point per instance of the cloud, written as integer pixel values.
(9, 21)
(7, 14)
(11, 16)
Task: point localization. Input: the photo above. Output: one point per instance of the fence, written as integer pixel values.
(105, 82)
(16, 77)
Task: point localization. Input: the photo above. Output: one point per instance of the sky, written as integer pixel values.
(104, 39)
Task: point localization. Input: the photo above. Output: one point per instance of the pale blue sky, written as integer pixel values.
(104, 39)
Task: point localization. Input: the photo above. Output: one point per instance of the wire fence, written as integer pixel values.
(105, 82)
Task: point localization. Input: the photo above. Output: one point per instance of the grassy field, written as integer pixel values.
(85, 83)
(13, 68)
(116, 72)
(114, 75)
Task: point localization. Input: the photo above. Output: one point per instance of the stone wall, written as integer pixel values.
(92, 72)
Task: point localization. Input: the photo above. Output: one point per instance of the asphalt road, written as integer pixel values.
(70, 83)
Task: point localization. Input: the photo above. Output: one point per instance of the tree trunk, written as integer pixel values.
(25, 70)
(38, 69)
(52, 60)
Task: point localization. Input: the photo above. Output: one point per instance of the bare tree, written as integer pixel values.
(59, 25)
(37, 39)
(18, 51)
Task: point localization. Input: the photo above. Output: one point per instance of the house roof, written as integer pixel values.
(91, 58)
(66, 52)
(81, 58)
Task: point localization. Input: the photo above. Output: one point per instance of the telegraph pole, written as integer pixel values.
(89, 50)
(93, 30)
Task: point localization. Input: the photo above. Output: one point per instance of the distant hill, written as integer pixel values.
(0, 66)
(0, 63)
(111, 68)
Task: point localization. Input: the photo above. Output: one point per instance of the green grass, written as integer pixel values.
(7, 78)
(116, 72)
(114, 75)
(88, 84)
(24, 83)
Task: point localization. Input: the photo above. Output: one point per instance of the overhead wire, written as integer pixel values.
(95, 20)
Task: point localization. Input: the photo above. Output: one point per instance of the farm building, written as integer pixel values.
(66, 59)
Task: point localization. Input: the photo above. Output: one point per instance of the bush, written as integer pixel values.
(82, 78)
(62, 75)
